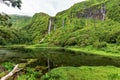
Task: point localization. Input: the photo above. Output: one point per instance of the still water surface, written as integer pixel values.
(57, 57)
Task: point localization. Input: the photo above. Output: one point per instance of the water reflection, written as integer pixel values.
(57, 57)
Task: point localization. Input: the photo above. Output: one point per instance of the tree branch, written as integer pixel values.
(15, 69)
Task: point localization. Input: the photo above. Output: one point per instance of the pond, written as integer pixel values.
(55, 57)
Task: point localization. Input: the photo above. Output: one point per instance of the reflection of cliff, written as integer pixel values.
(95, 12)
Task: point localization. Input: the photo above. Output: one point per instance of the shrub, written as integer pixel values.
(8, 66)
(2, 41)
(98, 44)
(71, 41)
(118, 40)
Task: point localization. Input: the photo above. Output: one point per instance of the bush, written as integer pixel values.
(8, 66)
(118, 40)
(72, 41)
(2, 41)
(30, 74)
(98, 44)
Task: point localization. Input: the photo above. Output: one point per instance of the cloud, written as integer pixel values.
(30, 7)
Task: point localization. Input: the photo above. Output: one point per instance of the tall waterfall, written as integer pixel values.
(49, 27)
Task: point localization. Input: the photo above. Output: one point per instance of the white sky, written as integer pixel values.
(30, 7)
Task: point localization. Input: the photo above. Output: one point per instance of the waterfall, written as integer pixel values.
(49, 27)
(103, 11)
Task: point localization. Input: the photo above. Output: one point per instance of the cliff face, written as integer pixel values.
(94, 12)
(73, 16)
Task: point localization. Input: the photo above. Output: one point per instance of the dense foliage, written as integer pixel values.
(72, 27)
(37, 27)
(10, 29)
(13, 36)
(69, 29)
(19, 21)
(4, 20)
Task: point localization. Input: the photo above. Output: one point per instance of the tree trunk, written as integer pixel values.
(15, 69)
(48, 61)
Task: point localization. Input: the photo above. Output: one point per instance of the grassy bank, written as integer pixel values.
(110, 50)
(83, 73)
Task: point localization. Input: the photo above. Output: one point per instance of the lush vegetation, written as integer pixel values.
(72, 29)
(18, 21)
(10, 30)
(68, 29)
(37, 27)
(65, 73)
(83, 32)
(27, 74)
(13, 36)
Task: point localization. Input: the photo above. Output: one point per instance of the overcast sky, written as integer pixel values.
(30, 7)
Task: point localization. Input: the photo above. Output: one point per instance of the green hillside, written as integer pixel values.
(19, 21)
(75, 26)
(10, 30)
(81, 25)
(13, 36)
(38, 26)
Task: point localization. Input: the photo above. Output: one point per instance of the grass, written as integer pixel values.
(110, 50)
(83, 73)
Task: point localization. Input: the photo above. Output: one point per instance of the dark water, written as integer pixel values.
(57, 57)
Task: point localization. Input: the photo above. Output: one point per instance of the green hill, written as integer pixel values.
(38, 26)
(13, 34)
(84, 31)
(19, 21)
(92, 22)
(82, 25)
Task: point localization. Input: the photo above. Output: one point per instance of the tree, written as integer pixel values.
(13, 3)
(4, 17)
